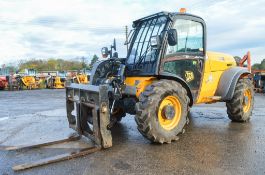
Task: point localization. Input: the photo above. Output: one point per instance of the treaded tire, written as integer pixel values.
(147, 111)
(235, 105)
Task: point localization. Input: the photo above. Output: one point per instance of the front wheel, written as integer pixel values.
(239, 108)
(161, 113)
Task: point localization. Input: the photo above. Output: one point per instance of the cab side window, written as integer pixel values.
(190, 37)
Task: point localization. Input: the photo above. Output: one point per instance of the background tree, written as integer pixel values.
(255, 66)
(55, 64)
(83, 62)
(51, 64)
(93, 61)
(260, 66)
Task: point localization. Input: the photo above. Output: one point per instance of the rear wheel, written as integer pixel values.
(239, 108)
(161, 113)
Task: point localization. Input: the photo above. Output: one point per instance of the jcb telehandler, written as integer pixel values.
(167, 70)
(81, 77)
(29, 79)
(57, 81)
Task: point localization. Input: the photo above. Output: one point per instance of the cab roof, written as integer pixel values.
(171, 15)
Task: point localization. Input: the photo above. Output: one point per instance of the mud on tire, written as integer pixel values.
(147, 111)
(235, 106)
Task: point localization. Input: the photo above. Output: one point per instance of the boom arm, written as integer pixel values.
(244, 59)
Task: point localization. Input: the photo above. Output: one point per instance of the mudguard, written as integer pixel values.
(227, 83)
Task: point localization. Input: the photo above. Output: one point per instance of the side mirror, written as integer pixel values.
(114, 45)
(155, 41)
(172, 37)
(104, 52)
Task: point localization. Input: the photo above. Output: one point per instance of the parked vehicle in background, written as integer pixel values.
(57, 81)
(27, 80)
(259, 80)
(82, 77)
(4, 73)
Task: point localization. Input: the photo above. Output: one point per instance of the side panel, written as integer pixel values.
(209, 83)
(220, 61)
(215, 65)
(209, 86)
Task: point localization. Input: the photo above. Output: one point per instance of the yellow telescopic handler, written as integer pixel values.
(167, 70)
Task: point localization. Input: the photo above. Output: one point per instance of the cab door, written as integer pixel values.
(186, 58)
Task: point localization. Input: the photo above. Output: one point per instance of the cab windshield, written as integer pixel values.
(141, 50)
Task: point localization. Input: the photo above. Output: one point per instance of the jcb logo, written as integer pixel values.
(189, 76)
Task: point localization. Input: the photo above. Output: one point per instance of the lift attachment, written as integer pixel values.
(88, 114)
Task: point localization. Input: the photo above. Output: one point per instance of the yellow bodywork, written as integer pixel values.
(215, 64)
(30, 82)
(139, 82)
(82, 79)
(58, 84)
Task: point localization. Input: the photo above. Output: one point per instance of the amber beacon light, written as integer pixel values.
(182, 10)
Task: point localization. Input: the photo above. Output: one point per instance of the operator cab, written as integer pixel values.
(168, 45)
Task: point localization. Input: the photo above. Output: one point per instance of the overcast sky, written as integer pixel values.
(71, 28)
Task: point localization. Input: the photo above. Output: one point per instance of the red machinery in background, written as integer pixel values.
(3, 82)
(258, 76)
(4, 73)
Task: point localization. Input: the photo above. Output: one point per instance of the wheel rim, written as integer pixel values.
(247, 100)
(169, 112)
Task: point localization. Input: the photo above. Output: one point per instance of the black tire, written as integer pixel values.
(147, 111)
(118, 111)
(235, 106)
(119, 114)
